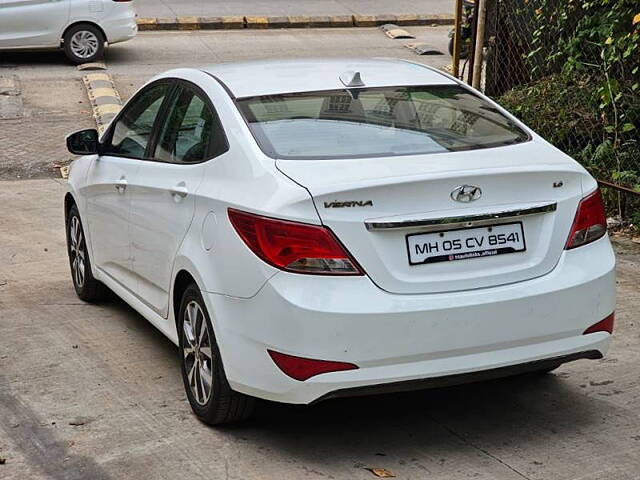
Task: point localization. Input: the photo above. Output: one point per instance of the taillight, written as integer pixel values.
(590, 222)
(301, 369)
(295, 247)
(605, 325)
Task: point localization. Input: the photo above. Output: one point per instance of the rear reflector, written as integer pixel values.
(302, 369)
(292, 246)
(590, 222)
(605, 325)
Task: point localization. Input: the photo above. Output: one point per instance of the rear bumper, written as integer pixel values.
(461, 378)
(396, 339)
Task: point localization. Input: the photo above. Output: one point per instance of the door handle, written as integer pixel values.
(121, 186)
(179, 191)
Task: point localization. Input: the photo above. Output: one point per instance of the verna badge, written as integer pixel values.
(466, 193)
(350, 203)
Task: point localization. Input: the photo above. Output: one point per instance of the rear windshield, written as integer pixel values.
(375, 122)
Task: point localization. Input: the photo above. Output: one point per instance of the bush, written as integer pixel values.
(586, 100)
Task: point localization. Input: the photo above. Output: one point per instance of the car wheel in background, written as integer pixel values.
(83, 43)
(464, 48)
(211, 398)
(87, 288)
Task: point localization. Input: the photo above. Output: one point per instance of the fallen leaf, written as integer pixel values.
(636, 19)
(381, 472)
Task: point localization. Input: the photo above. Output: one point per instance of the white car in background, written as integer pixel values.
(311, 229)
(80, 27)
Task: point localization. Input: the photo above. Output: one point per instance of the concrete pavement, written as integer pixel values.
(172, 8)
(94, 392)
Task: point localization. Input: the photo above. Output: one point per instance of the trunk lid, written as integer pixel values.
(376, 205)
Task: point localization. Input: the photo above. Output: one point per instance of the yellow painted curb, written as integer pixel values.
(232, 22)
(147, 23)
(188, 23)
(364, 20)
(341, 21)
(257, 22)
(298, 21)
(301, 21)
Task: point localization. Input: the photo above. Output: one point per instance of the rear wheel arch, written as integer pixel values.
(69, 202)
(181, 282)
(83, 22)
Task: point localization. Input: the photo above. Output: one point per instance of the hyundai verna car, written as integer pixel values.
(311, 229)
(79, 27)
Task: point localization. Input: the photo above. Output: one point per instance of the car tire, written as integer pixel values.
(87, 287)
(201, 364)
(83, 43)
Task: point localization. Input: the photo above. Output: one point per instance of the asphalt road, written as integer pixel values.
(94, 392)
(215, 8)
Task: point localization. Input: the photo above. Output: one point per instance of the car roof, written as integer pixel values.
(270, 77)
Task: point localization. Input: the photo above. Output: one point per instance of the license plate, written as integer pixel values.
(465, 243)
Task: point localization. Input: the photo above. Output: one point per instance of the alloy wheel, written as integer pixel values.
(78, 251)
(197, 352)
(84, 44)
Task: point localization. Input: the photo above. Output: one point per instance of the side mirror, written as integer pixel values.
(83, 142)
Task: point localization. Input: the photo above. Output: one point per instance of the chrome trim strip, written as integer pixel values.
(459, 221)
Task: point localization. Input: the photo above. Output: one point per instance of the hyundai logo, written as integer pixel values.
(466, 193)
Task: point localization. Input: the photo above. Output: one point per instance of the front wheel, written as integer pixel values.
(87, 288)
(83, 43)
(211, 398)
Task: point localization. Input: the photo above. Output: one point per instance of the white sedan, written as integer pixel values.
(79, 27)
(312, 229)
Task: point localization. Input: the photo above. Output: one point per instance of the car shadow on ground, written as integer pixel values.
(48, 58)
(441, 424)
(33, 58)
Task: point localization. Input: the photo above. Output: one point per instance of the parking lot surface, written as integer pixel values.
(95, 392)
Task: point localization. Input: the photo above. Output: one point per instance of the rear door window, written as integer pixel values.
(191, 132)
